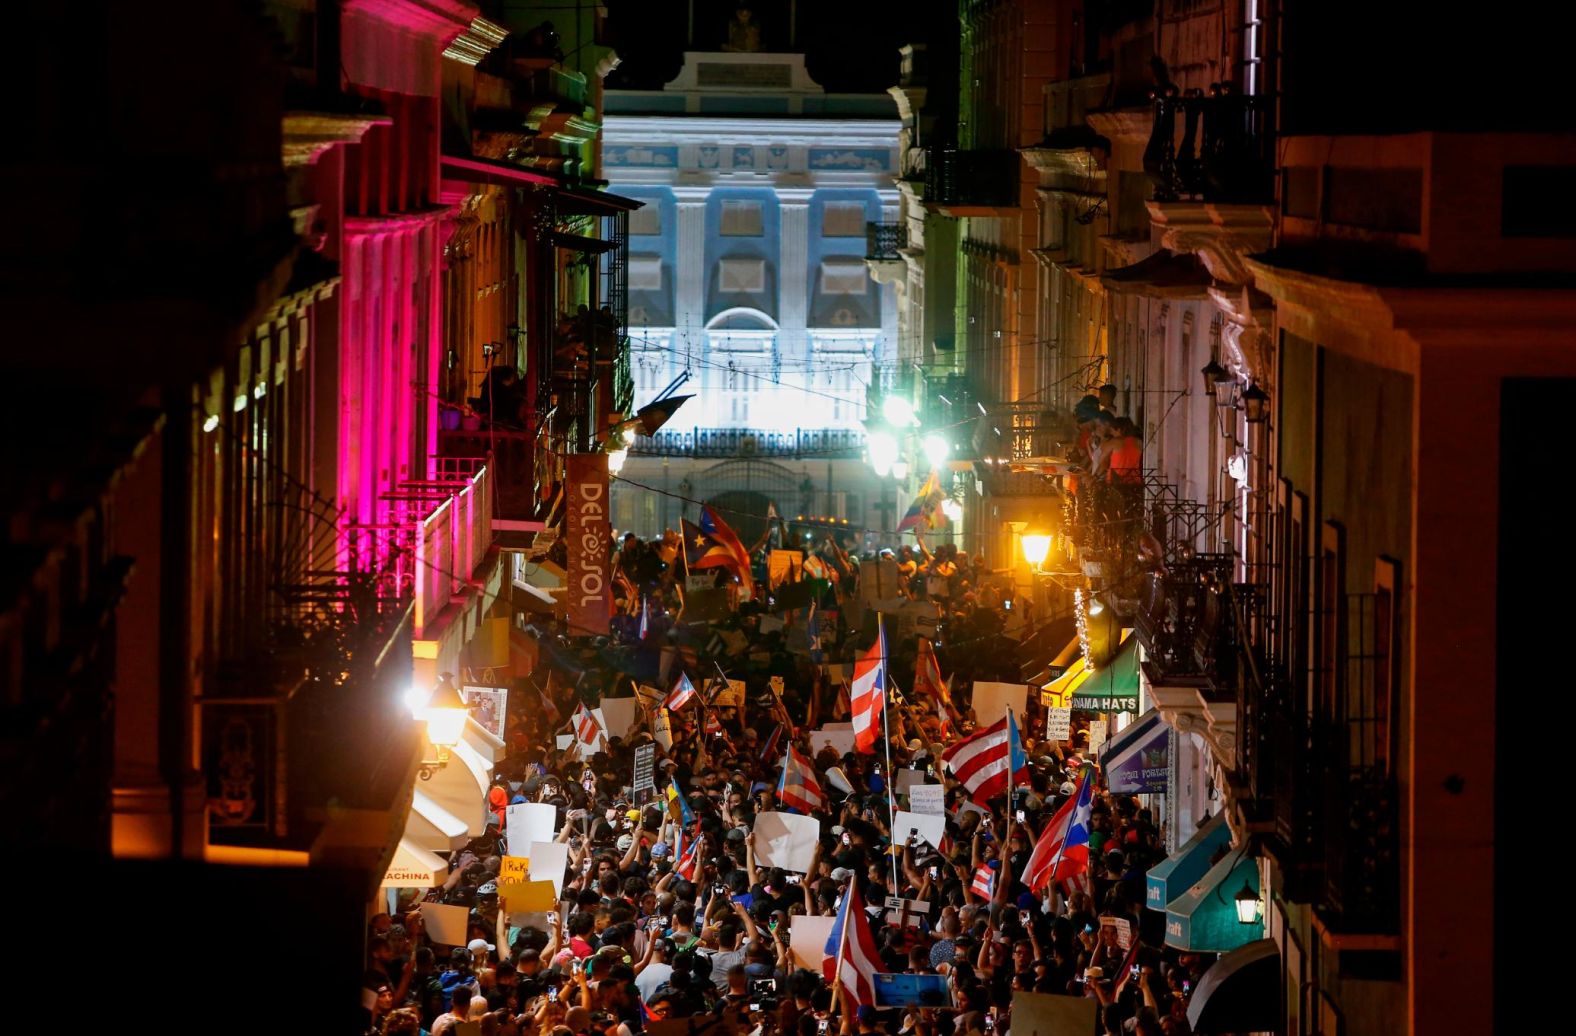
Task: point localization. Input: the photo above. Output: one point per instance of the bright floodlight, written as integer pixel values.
(952, 509)
(898, 411)
(936, 450)
(615, 460)
(900, 469)
(883, 451)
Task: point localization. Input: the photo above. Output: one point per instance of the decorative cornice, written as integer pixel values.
(1069, 161)
(478, 40)
(1222, 236)
(308, 134)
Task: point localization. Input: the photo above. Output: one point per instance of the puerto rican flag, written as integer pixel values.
(586, 726)
(686, 858)
(645, 618)
(1062, 851)
(798, 788)
(991, 761)
(984, 883)
(867, 697)
(681, 694)
(851, 950)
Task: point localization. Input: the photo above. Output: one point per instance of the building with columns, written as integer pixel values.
(747, 274)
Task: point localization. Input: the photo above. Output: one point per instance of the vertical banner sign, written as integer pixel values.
(588, 542)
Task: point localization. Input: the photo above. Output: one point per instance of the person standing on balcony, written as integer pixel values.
(1122, 455)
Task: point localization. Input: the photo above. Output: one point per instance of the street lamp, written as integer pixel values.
(1255, 404)
(616, 459)
(883, 451)
(445, 713)
(899, 412)
(936, 450)
(1035, 548)
(900, 469)
(1247, 904)
(1214, 374)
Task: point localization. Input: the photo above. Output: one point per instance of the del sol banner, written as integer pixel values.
(588, 545)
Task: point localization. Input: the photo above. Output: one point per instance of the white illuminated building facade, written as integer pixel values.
(747, 271)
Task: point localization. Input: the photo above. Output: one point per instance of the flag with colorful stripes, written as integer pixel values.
(1062, 849)
(586, 726)
(683, 691)
(851, 951)
(984, 883)
(990, 762)
(867, 694)
(686, 858)
(798, 787)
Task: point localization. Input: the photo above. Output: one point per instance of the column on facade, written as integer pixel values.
(793, 275)
(689, 301)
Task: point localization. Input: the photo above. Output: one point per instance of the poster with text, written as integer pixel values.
(489, 706)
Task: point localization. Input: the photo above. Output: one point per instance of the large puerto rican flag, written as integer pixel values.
(851, 951)
(1062, 851)
(991, 761)
(867, 696)
(798, 788)
(586, 726)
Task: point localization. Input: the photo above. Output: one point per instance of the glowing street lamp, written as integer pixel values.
(445, 713)
(883, 451)
(898, 411)
(900, 469)
(616, 459)
(1247, 902)
(1035, 548)
(936, 450)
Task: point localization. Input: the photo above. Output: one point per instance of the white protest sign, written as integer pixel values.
(529, 822)
(1058, 724)
(564, 741)
(807, 940)
(931, 828)
(786, 840)
(1097, 733)
(839, 735)
(927, 799)
(548, 860)
(991, 700)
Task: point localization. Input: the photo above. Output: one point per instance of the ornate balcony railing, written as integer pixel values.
(972, 178)
(1220, 155)
(738, 442)
(883, 240)
(1185, 631)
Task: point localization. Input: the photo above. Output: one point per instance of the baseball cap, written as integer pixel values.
(659, 850)
(842, 874)
(1068, 788)
(477, 947)
(736, 834)
(624, 842)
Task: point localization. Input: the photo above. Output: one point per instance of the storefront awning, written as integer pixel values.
(461, 787)
(432, 827)
(1241, 992)
(414, 868)
(1176, 873)
(587, 201)
(1114, 686)
(483, 742)
(1138, 760)
(1204, 918)
(534, 599)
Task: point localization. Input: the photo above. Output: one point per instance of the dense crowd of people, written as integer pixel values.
(634, 943)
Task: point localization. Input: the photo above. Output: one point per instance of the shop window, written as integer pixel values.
(645, 273)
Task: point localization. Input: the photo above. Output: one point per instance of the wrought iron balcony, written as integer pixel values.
(1220, 156)
(884, 240)
(972, 179)
(828, 443)
(1181, 621)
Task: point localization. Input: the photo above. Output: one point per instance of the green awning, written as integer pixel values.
(1114, 686)
(1204, 918)
(1177, 872)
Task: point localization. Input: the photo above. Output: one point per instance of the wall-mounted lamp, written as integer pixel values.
(1214, 374)
(445, 714)
(1255, 404)
(1247, 902)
